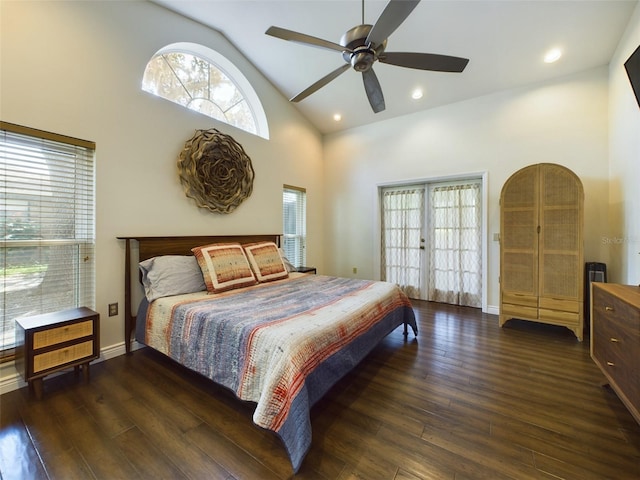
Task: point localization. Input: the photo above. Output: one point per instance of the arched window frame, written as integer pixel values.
(219, 61)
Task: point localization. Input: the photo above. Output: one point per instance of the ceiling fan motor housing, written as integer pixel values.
(360, 55)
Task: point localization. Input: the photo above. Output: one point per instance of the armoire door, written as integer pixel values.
(561, 245)
(519, 245)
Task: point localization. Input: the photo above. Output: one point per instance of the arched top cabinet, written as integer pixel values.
(541, 247)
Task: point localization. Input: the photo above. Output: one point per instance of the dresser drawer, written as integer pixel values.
(614, 310)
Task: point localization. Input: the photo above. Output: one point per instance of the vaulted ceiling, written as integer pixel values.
(505, 42)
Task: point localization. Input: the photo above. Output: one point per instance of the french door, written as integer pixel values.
(432, 241)
(403, 237)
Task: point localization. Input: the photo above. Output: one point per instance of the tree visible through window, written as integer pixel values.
(198, 83)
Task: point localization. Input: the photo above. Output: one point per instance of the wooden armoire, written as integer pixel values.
(541, 247)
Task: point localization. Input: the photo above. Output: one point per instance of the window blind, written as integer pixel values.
(294, 220)
(48, 227)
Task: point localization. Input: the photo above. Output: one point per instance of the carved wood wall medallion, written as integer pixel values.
(215, 171)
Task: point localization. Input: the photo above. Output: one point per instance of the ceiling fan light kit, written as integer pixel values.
(365, 44)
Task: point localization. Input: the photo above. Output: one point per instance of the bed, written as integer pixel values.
(279, 339)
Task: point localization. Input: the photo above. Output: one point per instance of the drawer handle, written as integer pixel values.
(614, 340)
(611, 364)
(608, 309)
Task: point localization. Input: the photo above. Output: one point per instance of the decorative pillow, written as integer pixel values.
(265, 261)
(224, 266)
(171, 275)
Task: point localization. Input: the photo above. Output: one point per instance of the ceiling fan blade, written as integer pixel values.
(292, 36)
(320, 83)
(392, 16)
(425, 61)
(374, 91)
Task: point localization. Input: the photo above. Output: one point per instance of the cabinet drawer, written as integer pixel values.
(560, 304)
(559, 317)
(518, 311)
(53, 336)
(62, 356)
(520, 299)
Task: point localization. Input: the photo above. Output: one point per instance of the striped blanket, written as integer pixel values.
(282, 344)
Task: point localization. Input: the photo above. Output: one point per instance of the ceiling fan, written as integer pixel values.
(365, 44)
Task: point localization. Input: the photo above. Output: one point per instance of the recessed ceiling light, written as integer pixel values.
(337, 117)
(552, 55)
(417, 94)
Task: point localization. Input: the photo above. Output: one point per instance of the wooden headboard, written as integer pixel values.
(149, 247)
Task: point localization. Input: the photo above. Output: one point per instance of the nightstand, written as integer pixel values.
(56, 341)
(306, 270)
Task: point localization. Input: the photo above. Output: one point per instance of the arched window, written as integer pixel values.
(203, 80)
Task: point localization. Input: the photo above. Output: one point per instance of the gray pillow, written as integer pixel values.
(171, 275)
(287, 263)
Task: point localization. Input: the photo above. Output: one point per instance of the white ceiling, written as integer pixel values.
(505, 41)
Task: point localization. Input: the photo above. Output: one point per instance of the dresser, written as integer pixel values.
(56, 341)
(615, 339)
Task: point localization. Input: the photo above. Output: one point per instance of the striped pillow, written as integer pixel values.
(265, 261)
(224, 266)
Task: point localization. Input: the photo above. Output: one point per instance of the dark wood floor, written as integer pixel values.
(465, 400)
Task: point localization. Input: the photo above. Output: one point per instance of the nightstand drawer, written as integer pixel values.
(57, 335)
(62, 356)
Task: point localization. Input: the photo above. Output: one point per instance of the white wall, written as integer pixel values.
(623, 236)
(75, 68)
(562, 121)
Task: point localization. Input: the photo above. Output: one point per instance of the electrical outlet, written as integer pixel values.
(113, 309)
(355, 269)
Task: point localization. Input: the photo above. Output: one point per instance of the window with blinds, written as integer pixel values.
(294, 221)
(48, 228)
